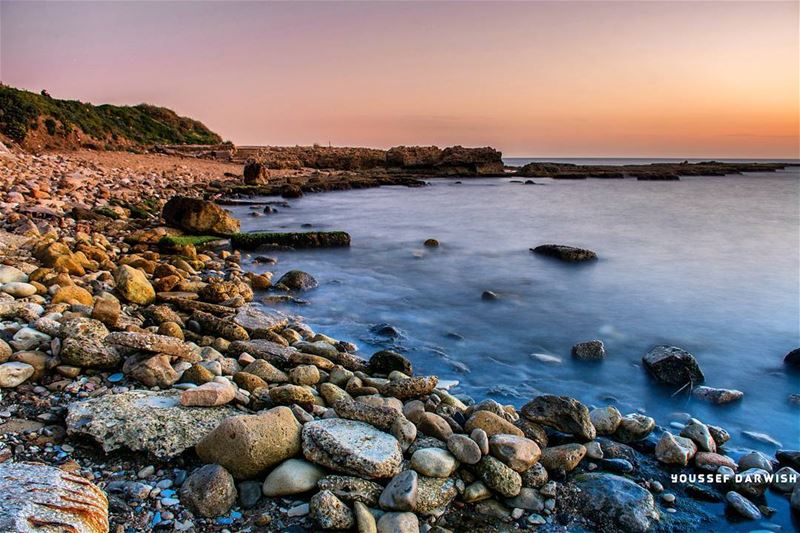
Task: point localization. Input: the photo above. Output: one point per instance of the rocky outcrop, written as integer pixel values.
(38, 498)
(671, 365)
(308, 239)
(198, 216)
(614, 503)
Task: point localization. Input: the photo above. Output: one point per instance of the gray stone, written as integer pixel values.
(435, 494)
(605, 419)
(153, 422)
(400, 493)
(614, 503)
(699, 433)
(464, 448)
(293, 476)
(352, 489)
(209, 491)
(671, 365)
(528, 499)
(634, 427)
(329, 512)
(398, 523)
(499, 477)
(562, 413)
(742, 506)
(434, 462)
(717, 396)
(352, 447)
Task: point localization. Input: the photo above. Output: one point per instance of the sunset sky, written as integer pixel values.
(669, 79)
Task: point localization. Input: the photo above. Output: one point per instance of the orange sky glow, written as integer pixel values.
(559, 79)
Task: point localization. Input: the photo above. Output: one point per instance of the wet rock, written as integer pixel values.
(400, 493)
(352, 447)
(792, 358)
(464, 449)
(398, 523)
(386, 361)
(634, 427)
(717, 396)
(563, 458)
(742, 506)
(297, 280)
(365, 522)
(43, 498)
(133, 285)
(755, 459)
(499, 477)
(752, 482)
(199, 216)
(785, 479)
(147, 421)
(329, 512)
(699, 433)
(293, 476)
(675, 450)
(518, 453)
(565, 253)
(562, 413)
(433, 425)
(434, 462)
(209, 491)
(249, 444)
(671, 365)
(712, 461)
(266, 371)
(589, 351)
(535, 477)
(528, 499)
(616, 504)
(14, 374)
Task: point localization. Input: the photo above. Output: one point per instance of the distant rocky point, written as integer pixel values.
(649, 171)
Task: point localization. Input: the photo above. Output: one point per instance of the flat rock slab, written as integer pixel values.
(259, 321)
(352, 447)
(39, 498)
(616, 503)
(149, 421)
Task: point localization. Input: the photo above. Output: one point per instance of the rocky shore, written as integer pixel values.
(146, 388)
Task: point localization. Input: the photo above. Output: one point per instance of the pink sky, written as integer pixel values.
(667, 79)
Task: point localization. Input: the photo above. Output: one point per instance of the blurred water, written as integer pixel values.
(708, 264)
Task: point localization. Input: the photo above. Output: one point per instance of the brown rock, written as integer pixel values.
(208, 395)
(72, 293)
(492, 424)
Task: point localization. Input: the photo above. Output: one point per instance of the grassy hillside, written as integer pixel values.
(25, 115)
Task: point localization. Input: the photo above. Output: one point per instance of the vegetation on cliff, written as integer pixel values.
(40, 121)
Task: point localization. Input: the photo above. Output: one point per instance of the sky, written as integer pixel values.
(560, 79)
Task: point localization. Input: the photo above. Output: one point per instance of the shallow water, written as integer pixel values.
(708, 264)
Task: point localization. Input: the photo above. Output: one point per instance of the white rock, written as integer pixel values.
(293, 476)
(28, 339)
(19, 289)
(13, 374)
(10, 274)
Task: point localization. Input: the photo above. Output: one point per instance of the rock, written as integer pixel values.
(699, 433)
(464, 449)
(794, 501)
(84, 344)
(266, 371)
(289, 394)
(562, 413)
(73, 293)
(150, 342)
(39, 498)
(481, 439)
(434, 462)
(247, 445)
(10, 274)
(29, 339)
(18, 289)
(293, 476)
(199, 216)
(491, 424)
(386, 361)
(717, 396)
(755, 459)
(712, 461)
(219, 327)
(407, 388)
(498, 476)
(435, 494)
(255, 173)
(156, 372)
(605, 419)
(742, 506)
(381, 417)
(329, 512)
(528, 499)
(433, 425)
(752, 482)
(304, 375)
(400, 493)
(107, 310)
(785, 479)
(720, 435)
(634, 427)
(209, 394)
(614, 503)
(352, 447)
(535, 477)
(489, 296)
(259, 322)
(674, 450)
(14, 374)
(249, 494)
(519, 453)
(398, 523)
(352, 489)
(404, 431)
(589, 351)
(297, 280)
(148, 421)
(5, 351)
(209, 491)
(792, 358)
(671, 365)
(365, 522)
(565, 253)
(562, 458)
(431, 243)
(789, 457)
(133, 285)
(301, 239)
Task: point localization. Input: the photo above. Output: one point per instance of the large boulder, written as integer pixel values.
(148, 421)
(83, 344)
(614, 503)
(255, 173)
(38, 498)
(671, 365)
(562, 413)
(247, 445)
(199, 216)
(352, 447)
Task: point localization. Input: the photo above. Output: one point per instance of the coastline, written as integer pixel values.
(86, 256)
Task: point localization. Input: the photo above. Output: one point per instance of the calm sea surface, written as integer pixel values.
(708, 264)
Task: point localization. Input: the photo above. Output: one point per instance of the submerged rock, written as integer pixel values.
(671, 365)
(565, 253)
(153, 422)
(38, 498)
(297, 280)
(614, 503)
(717, 396)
